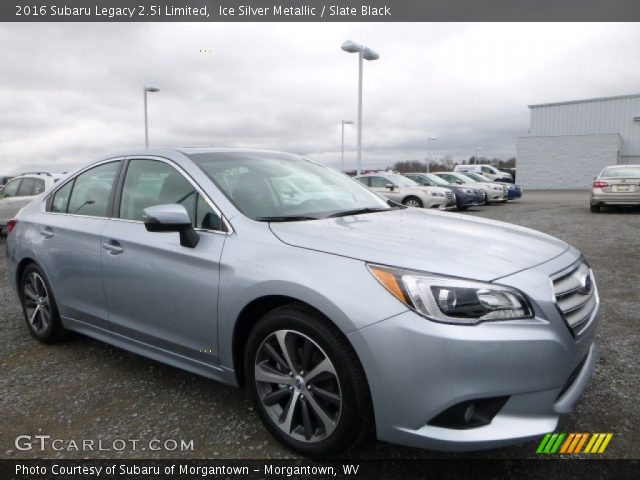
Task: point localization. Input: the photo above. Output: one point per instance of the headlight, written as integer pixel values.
(496, 187)
(437, 194)
(452, 300)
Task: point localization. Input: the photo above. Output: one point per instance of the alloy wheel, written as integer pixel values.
(298, 386)
(37, 304)
(412, 203)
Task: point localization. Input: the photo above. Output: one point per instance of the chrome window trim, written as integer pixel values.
(171, 163)
(59, 185)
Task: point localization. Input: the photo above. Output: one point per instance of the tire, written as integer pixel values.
(413, 202)
(595, 208)
(320, 424)
(462, 209)
(39, 306)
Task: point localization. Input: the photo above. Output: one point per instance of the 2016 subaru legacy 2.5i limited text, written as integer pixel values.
(342, 314)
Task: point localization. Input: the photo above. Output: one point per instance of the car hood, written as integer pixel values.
(425, 240)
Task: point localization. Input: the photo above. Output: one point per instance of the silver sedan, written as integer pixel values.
(341, 314)
(616, 185)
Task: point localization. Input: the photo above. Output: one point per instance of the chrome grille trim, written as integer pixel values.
(577, 305)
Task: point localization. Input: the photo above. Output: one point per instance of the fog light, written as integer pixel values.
(469, 412)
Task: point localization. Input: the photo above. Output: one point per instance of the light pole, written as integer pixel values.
(344, 122)
(429, 140)
(475, 154)
(145, 89)
(367, 54)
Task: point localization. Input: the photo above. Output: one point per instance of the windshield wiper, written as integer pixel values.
(359, 211)
(285, 218)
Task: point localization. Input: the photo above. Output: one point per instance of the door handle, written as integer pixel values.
(46, 232)
(113, 247)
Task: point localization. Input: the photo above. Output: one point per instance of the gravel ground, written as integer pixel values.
(84, 389)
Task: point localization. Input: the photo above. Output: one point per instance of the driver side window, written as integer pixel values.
(152, 182)
(379, 182)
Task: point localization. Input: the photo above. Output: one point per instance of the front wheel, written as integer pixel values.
(595, 208)
(413, 202)
(39, 306)
(306, 382)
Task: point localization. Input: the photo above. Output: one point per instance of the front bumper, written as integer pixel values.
(418, 369)
(496, 195)
(514, 193)
(469, 199)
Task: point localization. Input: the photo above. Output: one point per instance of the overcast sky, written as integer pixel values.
(71, 93)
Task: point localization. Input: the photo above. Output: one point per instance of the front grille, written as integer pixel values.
(449, 194)
(576, 297)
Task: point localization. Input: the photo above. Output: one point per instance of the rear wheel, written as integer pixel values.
(413, 202)
(39, 306)
(306, 382)
(595, 208)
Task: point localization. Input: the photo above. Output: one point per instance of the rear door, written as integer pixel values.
(69, 242)
(159, 292)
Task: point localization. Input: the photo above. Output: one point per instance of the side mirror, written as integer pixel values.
(171, 218)
(390, 186)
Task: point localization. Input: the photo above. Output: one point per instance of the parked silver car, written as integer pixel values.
(616, 185)
(494, 192)
(403, 190)
(21, 191)
(338, 315)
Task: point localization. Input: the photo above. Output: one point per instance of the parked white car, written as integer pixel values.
(21, 191)
(489, 171)
(400, 189)
(495, 192)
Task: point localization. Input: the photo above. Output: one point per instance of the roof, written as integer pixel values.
(586, 100)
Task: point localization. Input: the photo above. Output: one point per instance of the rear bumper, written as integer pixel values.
(598, 197)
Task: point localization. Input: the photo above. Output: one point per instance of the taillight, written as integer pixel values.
(11, 225)
(600, 184)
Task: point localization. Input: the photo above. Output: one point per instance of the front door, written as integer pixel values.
(161, 293)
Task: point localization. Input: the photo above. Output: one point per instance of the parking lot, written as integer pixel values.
(84, 389)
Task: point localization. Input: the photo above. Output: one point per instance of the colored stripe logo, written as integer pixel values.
(574, 443)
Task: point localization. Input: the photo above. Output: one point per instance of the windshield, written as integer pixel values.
(436, 179)
(628, 172)
(477, 177)
(401, 180)
(274, 186)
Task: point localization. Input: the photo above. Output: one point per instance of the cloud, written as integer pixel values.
(70, 93)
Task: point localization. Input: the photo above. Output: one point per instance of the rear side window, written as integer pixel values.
(11, 189)
(151, 182)
(38, 186)
(91, 191)
(363, 180)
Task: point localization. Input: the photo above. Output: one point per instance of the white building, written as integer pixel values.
(570, 142)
